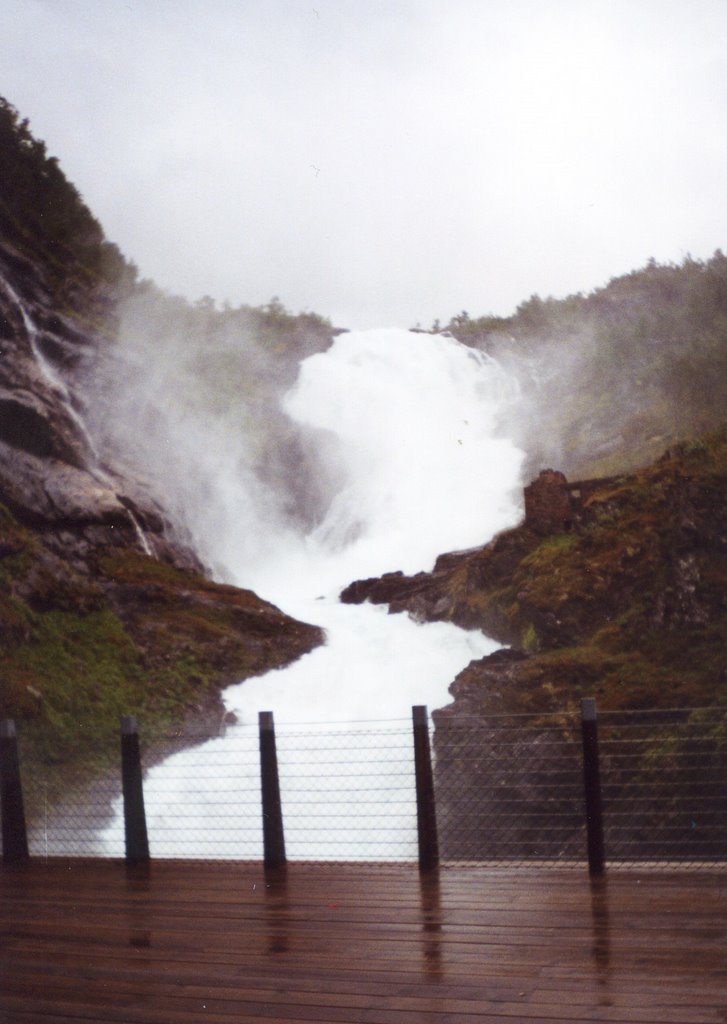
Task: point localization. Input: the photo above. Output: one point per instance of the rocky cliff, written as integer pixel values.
(104, 607)
(613, 588)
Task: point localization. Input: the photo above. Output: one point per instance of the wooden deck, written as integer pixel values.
(198, 943)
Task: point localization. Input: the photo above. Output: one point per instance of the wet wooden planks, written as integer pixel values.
(189, 942)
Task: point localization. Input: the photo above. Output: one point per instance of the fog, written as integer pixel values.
(383, 163)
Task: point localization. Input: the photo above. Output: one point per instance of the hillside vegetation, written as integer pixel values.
(131, 634)
(45, 224)
(611, 379)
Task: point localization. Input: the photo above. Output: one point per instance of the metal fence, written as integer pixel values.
(511, 788)
(665, 785)
(506, 789)
(347, 794)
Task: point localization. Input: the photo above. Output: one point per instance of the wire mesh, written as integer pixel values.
(511, 788)
(348, 793)
(69, 822)
(507, 789)
(664, 782)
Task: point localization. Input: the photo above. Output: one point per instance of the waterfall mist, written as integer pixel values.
(381, 455)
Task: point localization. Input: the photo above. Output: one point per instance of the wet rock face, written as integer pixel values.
(24, 424)
(35, 416)
(50, 478)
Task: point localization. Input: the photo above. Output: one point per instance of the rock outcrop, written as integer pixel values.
(613, 587)
(50, 476)
(549, 507)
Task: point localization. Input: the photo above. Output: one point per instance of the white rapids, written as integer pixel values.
(409, 423)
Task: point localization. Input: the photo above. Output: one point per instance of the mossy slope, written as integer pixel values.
(135, 636)
(630, 605)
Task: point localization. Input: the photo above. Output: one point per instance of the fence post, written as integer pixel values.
(273, 835)
(14, 835)
(426, 807)
(592, 787)
(137, 842)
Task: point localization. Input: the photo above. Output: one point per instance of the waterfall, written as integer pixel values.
(407, 426)
(56, 384)
(48, 372)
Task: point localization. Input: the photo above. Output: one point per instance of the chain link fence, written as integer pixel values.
(347, 794)
(665, 785)
(507, 789)
(511, 788)
(68, 822)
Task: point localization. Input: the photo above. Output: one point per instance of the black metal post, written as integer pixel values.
(592, 787)
(273, 835)
(426, 806)
(137, 842)
(14, 835)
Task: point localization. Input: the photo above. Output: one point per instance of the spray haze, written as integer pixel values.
(382, 454)
(404, 432)
(416, 416)
(189, 399)
(609, 379)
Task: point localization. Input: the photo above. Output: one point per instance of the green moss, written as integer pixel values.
(142, 637)
(551, 549)
(168, 582)
(73, 663)
(16, 545)
(77, 673)
(529, 640)
(86, 672)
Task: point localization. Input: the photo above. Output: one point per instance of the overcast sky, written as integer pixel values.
(383, 162)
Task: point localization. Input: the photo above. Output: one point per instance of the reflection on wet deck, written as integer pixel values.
(187, 942)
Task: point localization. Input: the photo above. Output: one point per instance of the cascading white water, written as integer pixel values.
(53, 379)
(47, 370)
(410, 427)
